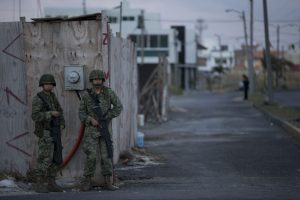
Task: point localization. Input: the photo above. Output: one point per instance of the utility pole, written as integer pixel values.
(14, 11)
(143, 36)
(176, 58)
(278, 40)
(120, 28)
(20, 9)
(251, 57)
(84, 7)
(247, 49)
(267, 54)
(40, 12)
(220, 49)
(200, 27)
(278, 29)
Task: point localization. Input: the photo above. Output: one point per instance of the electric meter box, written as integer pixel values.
(74, 77)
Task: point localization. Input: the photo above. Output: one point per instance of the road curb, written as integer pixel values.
(290, 128)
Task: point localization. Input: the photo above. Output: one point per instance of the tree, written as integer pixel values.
(278, 67)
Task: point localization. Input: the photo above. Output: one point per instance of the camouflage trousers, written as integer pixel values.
(90, 146)
(45, 165)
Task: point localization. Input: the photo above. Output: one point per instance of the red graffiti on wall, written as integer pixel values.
(10, 93)
(105, 39)
(17, 148)
(10, 44)
(106, 75)
(106, 35)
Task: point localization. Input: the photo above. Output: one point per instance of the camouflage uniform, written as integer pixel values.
(42, 118)
(110, 104)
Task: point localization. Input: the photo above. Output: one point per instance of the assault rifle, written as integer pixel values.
(55, 134)
(103, 128)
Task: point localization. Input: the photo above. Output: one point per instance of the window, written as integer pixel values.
(145, 40)
(218, 61)
(128, 18)
(133, 38)
(151, 53)
(153, 40)
(137, 39)
(163, 41)
(113, 20)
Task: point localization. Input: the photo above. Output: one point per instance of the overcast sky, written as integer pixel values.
(186, 12)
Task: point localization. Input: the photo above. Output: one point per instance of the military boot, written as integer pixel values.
(86, 184)
(40, 186)
(52, 186)
(108, 184)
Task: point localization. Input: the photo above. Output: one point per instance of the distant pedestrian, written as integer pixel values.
(49, 120)
(98, 107)
(245, 86)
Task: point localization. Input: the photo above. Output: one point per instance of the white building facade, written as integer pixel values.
(156, 41)
(216, 58)
(152, 41)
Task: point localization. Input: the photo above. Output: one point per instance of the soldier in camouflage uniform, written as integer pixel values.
(46, 168)
(111, 107)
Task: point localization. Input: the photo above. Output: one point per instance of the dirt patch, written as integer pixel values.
(132, 167)
(295, 122)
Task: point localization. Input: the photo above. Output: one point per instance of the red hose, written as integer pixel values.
(75, 147)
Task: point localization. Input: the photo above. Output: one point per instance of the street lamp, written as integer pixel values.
(249, 52)
(242, 16)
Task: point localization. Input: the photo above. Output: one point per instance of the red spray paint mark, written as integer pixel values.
(17, 148)
(105, 39)
(10, 93)
(106, 75)
(10, 54)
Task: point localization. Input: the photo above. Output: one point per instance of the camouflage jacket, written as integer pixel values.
(110, 105)
(41, 116)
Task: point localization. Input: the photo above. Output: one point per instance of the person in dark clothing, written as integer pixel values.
(245, 86)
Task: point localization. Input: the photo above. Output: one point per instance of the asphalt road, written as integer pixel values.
(214, 146)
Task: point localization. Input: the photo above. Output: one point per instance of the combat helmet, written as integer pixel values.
(97, 74)
(47, 79)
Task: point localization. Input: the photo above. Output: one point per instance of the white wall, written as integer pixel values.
(152, 26)
(212, 55)
(293, 55)
(190, 46)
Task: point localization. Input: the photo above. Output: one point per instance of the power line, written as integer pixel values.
(280, 11)
(219, 21)
(295, 10)
(193, 21)
(279, 21)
